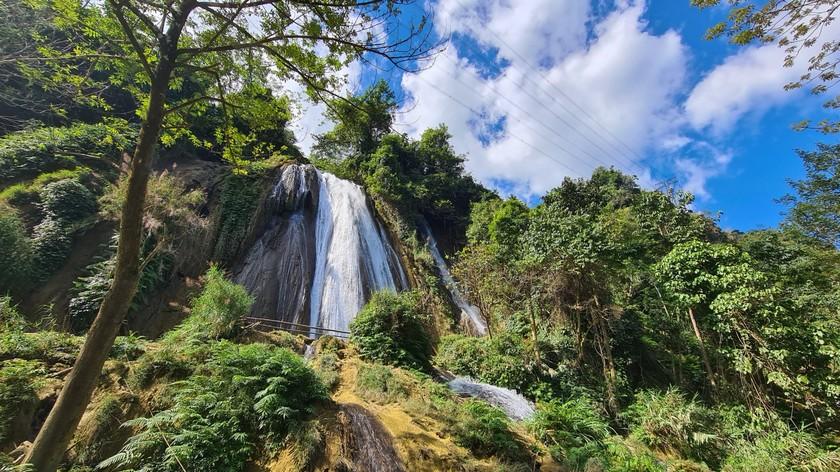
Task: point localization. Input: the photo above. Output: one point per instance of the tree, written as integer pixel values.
(796, 26)
(154, 45)
(815, 209)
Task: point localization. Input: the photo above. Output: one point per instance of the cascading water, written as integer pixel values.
(366, 442)
(322, 252)
(469, 312)
(513, 404)
(353, 257)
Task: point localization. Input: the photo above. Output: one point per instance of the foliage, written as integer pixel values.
(64, 204)
(379, 383)
(667, 421)
(424, 176)
(501, 361)
(574, 431)
(28, 153)
(19, 381)
(485, 430)
(237, 207)
(815, 209)
(239, 395)
(15, 251)
(28, 192)
(216, 312)
(390, 329)
(171, 220)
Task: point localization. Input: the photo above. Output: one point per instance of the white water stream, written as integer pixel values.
(513, 404)
(469, 312)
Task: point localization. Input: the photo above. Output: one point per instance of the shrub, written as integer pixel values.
(241, 394)
(27, 192)
(573, 431)
(10, 318)
(15, 251)
(620, 457)
(326, 365)
(378, 383)
(390, 329)
(52, 347)
(128, 348)
(27, 153)
(217, 310)
(485, 430)
(67, 200)
(667, 421)
(500, 361)
(52, 243)
(18, 386)
(780, 452)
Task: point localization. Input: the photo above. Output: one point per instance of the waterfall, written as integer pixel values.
(469, 312)
(321, 254)
(366, 442)
(515, 406)
(352, 255)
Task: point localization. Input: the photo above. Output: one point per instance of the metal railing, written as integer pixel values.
(295, 328)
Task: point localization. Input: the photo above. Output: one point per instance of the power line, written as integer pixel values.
(567, 97)
(473, 110)
(582, 149)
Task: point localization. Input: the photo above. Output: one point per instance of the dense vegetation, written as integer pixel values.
(649, 338)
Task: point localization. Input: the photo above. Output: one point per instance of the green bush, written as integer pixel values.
(573, 431)
(485, 430)
(621, 457)
(52, 242)
(378, 383)
(28, 153)
(217, 310)
(390, 329)
(128, 348)
(669, 422)
(67, 200)
(18, 386)
(502, 360)
(240, 397)
(28, 192)
(52, 347)
(11, 321)
(15, 251)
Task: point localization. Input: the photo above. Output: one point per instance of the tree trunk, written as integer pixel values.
(533, 320)
(51, 443)
(709, 372)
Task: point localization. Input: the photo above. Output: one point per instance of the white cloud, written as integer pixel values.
(696, 172)
(750, 80)
(308, 118)
(526, 132)
(624, 76)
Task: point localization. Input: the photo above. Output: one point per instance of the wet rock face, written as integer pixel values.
(321, 254)
(278, 268)
(365, 443)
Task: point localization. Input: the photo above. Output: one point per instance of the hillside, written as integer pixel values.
(184, 287)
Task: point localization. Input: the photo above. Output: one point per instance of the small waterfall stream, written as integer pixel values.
(322, 253)
(513, 404)
(469, 312)
(366, 442)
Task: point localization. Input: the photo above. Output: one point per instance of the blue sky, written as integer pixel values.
(536, 90)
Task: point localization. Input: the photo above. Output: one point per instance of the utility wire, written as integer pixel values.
(581, 149)
(473, 110)
(542, 75)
